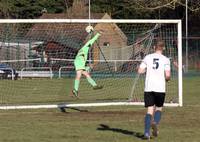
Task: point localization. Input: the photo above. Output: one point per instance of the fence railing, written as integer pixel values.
(36, 72)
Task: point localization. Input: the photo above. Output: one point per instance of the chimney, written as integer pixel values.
(79, 8)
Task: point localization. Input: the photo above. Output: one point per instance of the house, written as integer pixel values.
(65, 39)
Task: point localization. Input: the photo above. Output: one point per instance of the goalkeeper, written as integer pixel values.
(81, 68)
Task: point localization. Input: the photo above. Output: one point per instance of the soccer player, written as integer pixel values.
(157, 68)
(81, 68)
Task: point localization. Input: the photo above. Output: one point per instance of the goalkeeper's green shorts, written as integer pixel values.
(79, 65)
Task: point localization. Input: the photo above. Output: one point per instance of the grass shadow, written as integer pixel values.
(63, 109)
(103, 127)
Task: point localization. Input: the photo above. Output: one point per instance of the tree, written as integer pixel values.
(31, 8)
(5, 8)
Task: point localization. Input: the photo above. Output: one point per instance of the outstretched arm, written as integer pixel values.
(91, 41)
(83, 52)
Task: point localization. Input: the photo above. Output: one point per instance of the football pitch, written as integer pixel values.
(96, 124)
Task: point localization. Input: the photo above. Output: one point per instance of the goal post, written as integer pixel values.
(180, 66)
(113, 61)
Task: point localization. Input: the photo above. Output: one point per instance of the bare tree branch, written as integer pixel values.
(193, 5)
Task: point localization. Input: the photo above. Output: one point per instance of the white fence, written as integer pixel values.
(45, 72)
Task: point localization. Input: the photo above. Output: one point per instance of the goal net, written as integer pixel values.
(42, 52)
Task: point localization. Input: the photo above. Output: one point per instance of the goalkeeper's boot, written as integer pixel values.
(75, 93)
(155, 129)
(97, 87)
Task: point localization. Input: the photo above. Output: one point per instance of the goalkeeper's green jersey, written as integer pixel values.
(82, 54)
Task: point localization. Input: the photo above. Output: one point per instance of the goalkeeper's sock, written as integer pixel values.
(91, 81)
(157, 116)
(147, 124)
(76, 84)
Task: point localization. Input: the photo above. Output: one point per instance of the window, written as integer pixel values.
(106, 44)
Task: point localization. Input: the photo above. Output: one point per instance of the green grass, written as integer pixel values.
(101, 124)
(54, 91)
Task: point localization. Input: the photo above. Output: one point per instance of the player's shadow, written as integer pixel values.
(103, 127)
(63, 108)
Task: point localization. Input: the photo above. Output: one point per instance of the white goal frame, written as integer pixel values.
(179, 44)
